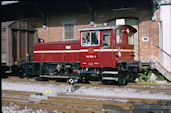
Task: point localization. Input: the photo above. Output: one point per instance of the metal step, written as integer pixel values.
(163, 71)
(110, 72)
(110, 78)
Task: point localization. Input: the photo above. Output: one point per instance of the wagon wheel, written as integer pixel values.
(122, 78)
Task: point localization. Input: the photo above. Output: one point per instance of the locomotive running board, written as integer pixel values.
(48, 76)
(110, 78)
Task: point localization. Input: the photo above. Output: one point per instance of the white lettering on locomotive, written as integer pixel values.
(90, 56)
(90, 63)
(67, 47)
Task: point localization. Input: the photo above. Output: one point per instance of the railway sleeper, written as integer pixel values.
(53, 107)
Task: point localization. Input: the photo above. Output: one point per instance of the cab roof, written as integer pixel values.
(107, 28)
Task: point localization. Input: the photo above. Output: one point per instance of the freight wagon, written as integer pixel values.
(17, 39)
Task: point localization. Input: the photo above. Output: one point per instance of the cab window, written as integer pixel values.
(106, 40)
(118, 36)
(131, 38)
(90, 38)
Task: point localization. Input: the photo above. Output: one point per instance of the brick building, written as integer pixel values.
(60, 20)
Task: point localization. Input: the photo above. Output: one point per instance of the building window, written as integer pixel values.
(120, 21)
(68, 30)
(128, 21)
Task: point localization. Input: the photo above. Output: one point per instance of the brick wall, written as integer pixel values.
(147, 50)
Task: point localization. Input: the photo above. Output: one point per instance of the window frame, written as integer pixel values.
(64, 23)
(131, 35)
(109, 34)
(98, 32)
(118, 40)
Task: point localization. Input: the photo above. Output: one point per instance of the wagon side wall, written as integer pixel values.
(3, 46)
(18, 40)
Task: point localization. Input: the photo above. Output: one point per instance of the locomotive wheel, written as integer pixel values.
(21, 75)
(132, 76)
(122, 81)
(122, 78)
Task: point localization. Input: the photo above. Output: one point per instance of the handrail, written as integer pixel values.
(164, 51)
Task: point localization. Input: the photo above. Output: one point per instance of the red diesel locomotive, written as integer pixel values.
(103, 53)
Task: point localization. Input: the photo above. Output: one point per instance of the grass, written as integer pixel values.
(144, 78)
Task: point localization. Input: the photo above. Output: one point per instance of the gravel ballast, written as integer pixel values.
(41, 87)
(11, 108)
(92, 91)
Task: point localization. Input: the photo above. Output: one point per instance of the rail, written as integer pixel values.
(69, 103)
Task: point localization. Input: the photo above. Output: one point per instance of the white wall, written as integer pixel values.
(165, 34)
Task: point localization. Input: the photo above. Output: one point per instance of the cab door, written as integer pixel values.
(106, 51)
(89, 49)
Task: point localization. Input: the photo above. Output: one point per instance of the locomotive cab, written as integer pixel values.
(105, 46)
(104, 50)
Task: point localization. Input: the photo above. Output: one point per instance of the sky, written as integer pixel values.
(8, 2)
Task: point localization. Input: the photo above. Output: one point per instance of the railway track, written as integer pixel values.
(66, 103)
(62, 103)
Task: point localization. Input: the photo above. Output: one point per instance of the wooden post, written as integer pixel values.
(26, 38)
(9, 49)
(18, 42)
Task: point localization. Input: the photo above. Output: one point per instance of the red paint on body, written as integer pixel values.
(87, 56)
